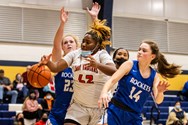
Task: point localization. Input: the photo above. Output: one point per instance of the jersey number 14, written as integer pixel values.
(134, 95)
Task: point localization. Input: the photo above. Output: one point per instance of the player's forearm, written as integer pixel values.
(94, 17)
(58, 66)
(107, 69)
(52, 66)
(57, 50)
(159, 98)
(107, 86)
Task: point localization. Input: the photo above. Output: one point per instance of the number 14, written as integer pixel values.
(136, 96)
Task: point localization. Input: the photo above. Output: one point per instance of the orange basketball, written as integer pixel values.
(39, 76)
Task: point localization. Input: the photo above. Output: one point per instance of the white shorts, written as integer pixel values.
(103, 119)
(84, 115)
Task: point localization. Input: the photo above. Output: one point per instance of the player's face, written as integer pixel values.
(69, 44)
(145, 53)
(122, 53)
(88, 43)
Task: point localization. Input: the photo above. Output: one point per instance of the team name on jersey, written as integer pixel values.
(67, 75)
(85, 67)
(140, 84)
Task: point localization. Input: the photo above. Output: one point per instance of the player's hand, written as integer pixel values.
(92, 61)
(162, 86)
(103, 100)
(94, 10)
(45, 59)
(64, 15)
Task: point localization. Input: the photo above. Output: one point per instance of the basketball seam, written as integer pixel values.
(38, 74)
(34, 71)
(42, 76)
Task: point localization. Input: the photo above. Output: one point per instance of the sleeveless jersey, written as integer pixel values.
(63, 92)
(88, 81)
(133, 90)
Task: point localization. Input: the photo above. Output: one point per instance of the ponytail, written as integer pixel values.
(166, 69)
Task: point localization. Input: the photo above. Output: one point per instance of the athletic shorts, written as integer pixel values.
(118, 116)
(103, 119)
(83, 115)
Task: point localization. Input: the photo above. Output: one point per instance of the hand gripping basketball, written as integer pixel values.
(39, 76)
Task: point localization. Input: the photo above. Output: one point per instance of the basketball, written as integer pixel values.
(39, 76)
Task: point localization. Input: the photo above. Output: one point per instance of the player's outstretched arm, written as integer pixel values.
(104, 98)
(57, 44)
(94, 12)
(54, 67)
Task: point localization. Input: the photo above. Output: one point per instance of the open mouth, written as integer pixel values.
(69, 48)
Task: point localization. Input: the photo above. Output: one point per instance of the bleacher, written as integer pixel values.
(164, 108)
(8, 113)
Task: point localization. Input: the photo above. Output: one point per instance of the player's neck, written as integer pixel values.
(143, 66)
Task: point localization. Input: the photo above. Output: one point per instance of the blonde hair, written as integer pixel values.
(76, 39)
(100, 33)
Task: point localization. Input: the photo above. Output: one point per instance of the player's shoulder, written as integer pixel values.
(128, 63)
(73, 54)
(103, 51)
(76, 51)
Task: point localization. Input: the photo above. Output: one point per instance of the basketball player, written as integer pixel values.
(64, 78)
(119, 57)
(136, 81)
(91, 64)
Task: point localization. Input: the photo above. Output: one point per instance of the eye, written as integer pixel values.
(144, 50)
(119, 54)
(65, 42)
(71, 41)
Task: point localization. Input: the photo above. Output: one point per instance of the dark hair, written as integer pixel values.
(1, 71)
(115, 52)
(100, 33)
(177, 102)
(166, 69)
(32, 91)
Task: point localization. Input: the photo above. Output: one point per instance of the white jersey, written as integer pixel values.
(88, 81)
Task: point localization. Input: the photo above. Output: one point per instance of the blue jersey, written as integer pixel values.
(185, 88)
(63, 91)
(133, 90)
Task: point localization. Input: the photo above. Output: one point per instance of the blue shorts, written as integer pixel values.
(118, 116)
